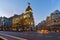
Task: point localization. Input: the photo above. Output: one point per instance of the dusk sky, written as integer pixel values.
(41, 8)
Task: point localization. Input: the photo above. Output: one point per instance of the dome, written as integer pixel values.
(28, 8)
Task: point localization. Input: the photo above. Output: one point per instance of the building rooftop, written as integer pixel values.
(28, 8)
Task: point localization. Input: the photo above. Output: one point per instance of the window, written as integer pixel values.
(25, 16)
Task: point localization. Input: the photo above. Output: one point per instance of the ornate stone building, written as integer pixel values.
(53, 21)
(22, 22)
(25, 21)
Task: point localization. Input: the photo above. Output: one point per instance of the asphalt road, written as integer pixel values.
(29, 35)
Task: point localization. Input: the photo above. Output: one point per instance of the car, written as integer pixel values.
(43, 31)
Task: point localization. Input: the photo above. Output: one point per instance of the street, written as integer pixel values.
(29, 35)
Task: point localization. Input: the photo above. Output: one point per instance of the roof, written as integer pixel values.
(28, 8)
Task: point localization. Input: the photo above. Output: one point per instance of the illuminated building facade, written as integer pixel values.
(25, 21)
(22, 22)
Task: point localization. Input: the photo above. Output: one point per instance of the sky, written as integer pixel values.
(41, 8)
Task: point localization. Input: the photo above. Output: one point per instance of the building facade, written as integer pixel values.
(53, 21)
(5, 23)
(41, 25)
(24, 22)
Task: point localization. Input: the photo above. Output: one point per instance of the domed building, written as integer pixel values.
(29, 9)
(25, 21)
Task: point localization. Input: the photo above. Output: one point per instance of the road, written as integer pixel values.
(29, 36)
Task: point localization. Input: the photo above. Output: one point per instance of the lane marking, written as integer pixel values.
(13, 37)
(3, 38)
